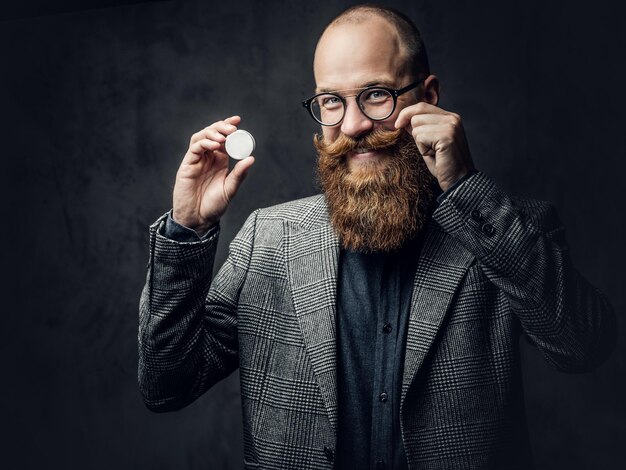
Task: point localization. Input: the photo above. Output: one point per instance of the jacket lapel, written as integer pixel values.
(441, 266)
(312, 259)
(312, 256)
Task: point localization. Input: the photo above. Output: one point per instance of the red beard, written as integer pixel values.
(380, 205)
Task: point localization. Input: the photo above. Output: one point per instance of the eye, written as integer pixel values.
(375, 95)
(330, 102)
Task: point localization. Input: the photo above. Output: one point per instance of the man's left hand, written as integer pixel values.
(440, 138)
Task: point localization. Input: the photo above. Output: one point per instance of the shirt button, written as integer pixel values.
(488, 229)
(383, 397)
(387, 328)
(330, 455)
(476, 215)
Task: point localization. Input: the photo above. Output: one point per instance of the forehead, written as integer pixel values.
(352, 55)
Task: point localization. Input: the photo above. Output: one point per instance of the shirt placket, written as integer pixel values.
(386, 337)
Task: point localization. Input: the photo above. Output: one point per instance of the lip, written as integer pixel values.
(365, 156)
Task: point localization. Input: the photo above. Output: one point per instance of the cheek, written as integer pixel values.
(330, 133)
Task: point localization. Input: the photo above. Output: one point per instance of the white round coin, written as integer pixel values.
(240, 144)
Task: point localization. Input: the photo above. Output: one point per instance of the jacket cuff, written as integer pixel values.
(484, 220)
(456, 184)
(167, 251)
(177, 232)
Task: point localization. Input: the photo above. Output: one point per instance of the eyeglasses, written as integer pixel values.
(375, 102)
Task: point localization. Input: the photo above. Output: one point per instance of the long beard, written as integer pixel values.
(380, 205)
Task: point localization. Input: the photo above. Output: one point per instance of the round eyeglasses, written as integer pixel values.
(375, 102)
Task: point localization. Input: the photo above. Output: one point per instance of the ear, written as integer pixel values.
(431, 90)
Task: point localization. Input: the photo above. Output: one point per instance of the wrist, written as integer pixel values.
(199, 227)
(448, 183)
(202, 229)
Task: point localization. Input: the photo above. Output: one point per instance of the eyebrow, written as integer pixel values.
(384, 83)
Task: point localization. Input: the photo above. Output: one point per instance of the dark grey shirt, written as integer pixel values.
(373, 301)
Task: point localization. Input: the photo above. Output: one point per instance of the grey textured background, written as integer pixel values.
(97, 110)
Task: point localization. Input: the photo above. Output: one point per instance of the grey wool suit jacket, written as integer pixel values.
(491, 268)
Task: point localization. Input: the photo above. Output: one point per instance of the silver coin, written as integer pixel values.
(240, 144)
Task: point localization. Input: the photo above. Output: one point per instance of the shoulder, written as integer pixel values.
(309, 211)
(264, 228)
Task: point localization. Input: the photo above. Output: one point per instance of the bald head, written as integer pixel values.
(400, 29)
(351, 55)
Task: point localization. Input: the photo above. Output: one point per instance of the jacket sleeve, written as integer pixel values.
(188, 321)
(521, 248)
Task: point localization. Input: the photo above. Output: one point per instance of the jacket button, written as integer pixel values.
(383, 397)
(387, 328)
(476, 215)
(380, 465)
(330, 455)
(488, 229)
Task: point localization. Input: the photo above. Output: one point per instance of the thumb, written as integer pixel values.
(236, 176)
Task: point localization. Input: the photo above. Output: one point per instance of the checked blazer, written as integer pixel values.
(491, 268)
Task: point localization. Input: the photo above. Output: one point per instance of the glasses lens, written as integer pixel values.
(327, 109)
(376, 103)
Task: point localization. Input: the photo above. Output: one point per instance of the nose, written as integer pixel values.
(355, 123)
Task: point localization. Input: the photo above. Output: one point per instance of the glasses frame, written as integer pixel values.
(394, 94)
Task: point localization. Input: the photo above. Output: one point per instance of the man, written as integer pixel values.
(376, 325)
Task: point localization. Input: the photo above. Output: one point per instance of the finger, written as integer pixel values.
(449, 123)
(224, 127)
(234, 120)
(206, 148)
(431, 119)
(418, 120)
(236, 176)
(433, 132)
(426, 138)
(218, 130)
(208, 132)
(214, 134)
(425, 149)
(204, 145)
(407, 113)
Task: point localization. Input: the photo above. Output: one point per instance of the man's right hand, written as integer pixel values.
(204, 187)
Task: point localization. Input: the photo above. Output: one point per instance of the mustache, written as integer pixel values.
(378, 139)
